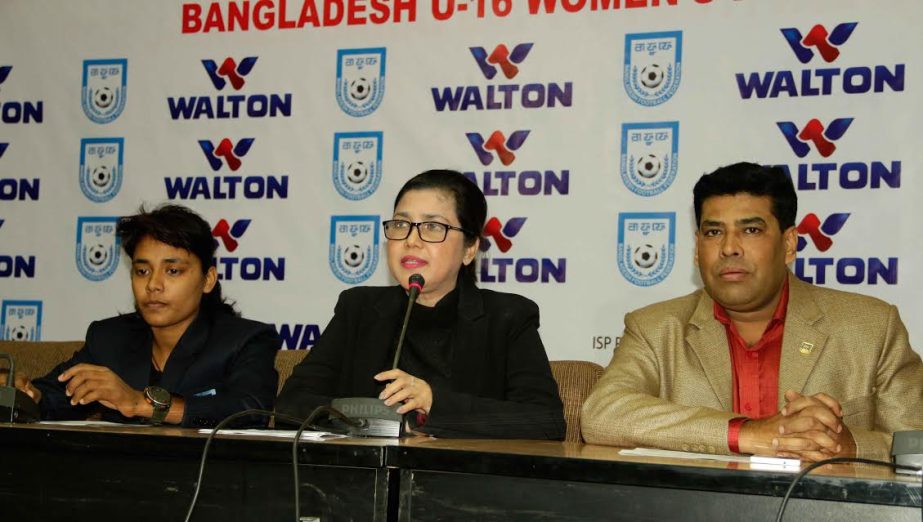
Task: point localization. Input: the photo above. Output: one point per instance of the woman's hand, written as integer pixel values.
(23, 384)
(414, 392)
(88, 383)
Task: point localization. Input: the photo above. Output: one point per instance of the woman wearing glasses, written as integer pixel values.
(472, 365)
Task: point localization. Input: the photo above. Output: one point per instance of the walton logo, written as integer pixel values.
(815, 132)
(227, 186)
(16, 265)
(230, 234)
(519, 269)
(822, 81)
(227, 150)
(841, 270)
(229, 69)
(245, 268)
(234, 104)
(820, 233)
(501, 233)
(298, 336)
(818, 37)
(502, 182)
(499, 144)
(21, 189)
(824, 175)
(19, 111)
(502, 96)
(502, 57)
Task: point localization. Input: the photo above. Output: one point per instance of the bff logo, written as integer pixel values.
(653, 66)
(354, 247)
(227, 150)
(814, 132)
(97, 247)
(360, 85)
(819, 38)
(820, 233)
(646, 246)
(649, 156)
(234, 72)
(501, 57)
(499, 144)
(105, 87)
(101, 161)
(229, 234)
(21, 320)
(501, 233)
(357, 163)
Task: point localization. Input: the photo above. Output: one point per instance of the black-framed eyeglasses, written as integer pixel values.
(429, 231)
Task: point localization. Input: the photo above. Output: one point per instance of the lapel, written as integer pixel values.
(136, 359)
(186, 351)
(708, 340)
(802, 342)
(469, 342)
(376, 342)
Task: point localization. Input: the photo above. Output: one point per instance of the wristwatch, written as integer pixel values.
(160, 399)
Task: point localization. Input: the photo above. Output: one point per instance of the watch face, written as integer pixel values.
(159, 396)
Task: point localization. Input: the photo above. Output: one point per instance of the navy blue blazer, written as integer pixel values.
(501, 384)
(222, 364)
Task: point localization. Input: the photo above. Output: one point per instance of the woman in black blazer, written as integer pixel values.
(183, 357)
(473, 364)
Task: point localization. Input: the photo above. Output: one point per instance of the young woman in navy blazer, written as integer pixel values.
(183, 357)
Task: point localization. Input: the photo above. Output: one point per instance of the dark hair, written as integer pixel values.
(470, 204)
(753, 179)
(179, 227)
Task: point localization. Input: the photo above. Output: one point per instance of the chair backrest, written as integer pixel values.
(286, 360)
(575, 380)
(35, 359)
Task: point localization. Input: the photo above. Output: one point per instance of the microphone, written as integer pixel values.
(415, 285)
(15, 405)
(374, 419)
(907, 450)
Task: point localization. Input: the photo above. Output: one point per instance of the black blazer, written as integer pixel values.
(222, 364)
(501, 385)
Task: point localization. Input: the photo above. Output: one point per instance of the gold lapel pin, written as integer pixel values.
(806, 348)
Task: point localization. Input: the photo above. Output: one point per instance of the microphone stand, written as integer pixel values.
(15, 405)
(374, 418)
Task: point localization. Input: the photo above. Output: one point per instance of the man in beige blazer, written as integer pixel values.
(847, 377)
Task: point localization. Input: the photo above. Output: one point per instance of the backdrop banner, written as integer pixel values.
(291, 125)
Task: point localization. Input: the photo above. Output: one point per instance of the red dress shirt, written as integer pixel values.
(754, 369)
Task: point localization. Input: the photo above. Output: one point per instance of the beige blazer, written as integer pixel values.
(669, 382)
